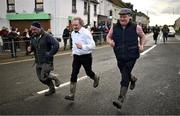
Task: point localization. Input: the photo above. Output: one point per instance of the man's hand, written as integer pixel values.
(79, 45)
(111, 43)
(29, 49)
(141, 48)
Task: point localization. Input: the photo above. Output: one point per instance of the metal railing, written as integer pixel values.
(12, 49)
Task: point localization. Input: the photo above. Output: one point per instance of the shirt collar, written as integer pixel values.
(80, 31)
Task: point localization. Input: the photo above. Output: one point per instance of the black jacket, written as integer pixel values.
(44, 47)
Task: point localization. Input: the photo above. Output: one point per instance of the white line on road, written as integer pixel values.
(62, 85)
(143, 53)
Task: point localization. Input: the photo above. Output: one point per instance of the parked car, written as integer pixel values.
(172, 32)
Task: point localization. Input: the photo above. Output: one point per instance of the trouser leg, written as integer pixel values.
(43, 71)
(87, 64)
(76, 65)
(125, 69)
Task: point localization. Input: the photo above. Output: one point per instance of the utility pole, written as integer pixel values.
(88, 16)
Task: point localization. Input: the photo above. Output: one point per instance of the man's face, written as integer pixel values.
(124, 19)
(35, 31)
(76, 25)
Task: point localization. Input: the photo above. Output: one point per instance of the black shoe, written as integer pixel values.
(96, 81)
(133, 82)
(57, 83)
(69, 97)
(50, 92)
(117, 104)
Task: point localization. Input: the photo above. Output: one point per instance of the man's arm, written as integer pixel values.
(91, 44)
(142, 38)
(109, 39)
(54, 45)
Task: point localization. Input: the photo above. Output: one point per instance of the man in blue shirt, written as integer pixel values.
(83, 44)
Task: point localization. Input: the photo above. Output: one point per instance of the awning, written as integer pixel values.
(28, 16)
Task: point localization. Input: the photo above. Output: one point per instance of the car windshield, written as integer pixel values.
(171, 29)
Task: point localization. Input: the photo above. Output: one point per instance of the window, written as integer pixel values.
(38, 5)
(110, 13)
(85, 8)
(74, 10)
(95, 10)
(10, 5)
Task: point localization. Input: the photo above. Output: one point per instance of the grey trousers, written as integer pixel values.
(43, 72)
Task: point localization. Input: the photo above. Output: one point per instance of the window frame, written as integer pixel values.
(95, 10)
(36, 9)
(74, 5)
(85, 8)
(10, 4)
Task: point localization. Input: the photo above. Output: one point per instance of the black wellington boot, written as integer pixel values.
(118, 103)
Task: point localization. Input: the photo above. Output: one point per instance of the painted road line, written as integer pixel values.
(62, 85)
(143, 53)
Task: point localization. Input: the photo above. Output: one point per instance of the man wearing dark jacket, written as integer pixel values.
(123, 37)
(12, 37)
(66, 36)
(44, 47)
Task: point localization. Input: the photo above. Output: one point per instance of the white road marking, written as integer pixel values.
(62, 85)
(143, 53)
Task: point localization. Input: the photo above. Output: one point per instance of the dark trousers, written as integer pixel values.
(43, 71)
(165, 36)
(86, 61)
(65, 42)
(125, 68)
(13, 50)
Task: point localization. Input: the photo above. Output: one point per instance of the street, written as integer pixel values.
(156, 93)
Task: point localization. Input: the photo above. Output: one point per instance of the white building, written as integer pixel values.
(142, 19)
(53, 14)
(109, 11)
(177, 25)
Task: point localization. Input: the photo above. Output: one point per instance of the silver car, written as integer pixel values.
(172, 32)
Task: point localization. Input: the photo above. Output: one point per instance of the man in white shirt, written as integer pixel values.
(83, 44)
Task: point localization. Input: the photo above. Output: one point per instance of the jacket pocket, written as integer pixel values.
(133, 52)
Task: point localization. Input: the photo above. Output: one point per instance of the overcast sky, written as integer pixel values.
(160, 11)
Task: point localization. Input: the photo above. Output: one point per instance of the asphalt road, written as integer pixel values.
(157, 90)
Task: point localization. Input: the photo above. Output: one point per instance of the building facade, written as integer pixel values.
(52, 14)
(177, 25)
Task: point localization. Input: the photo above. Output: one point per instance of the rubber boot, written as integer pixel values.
(56, 80)
(96, 81)
(118, 103)
(51, 89)
(133, 82)
(72, 91)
